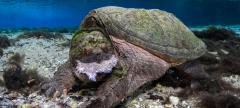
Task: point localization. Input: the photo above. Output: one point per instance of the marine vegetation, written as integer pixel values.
(41, 34)
(13, 72)
(145, 43)
(15, 77)
(226, 52)
(63, 30)
(1, 52)
(221, 60)
(224, 63)
(214, 33)
(4, 41)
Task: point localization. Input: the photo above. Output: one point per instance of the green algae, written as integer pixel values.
(74, 50)
(84, 41)
(119, 72)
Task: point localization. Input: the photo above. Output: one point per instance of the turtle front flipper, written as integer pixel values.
(141, 67)
(62, 82)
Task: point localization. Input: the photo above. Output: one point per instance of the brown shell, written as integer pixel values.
(158, 32)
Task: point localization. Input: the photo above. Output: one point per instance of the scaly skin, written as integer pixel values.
(62, 82)
(142, 67)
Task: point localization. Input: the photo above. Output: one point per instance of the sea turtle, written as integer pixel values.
(135, 45)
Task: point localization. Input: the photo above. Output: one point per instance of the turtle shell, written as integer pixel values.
(156, 31)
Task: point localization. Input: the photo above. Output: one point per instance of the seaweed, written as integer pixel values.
(13, 76)
(1, 52)
(216, 93)
(4, 41)
(16, 78)
(212, 90)
(41, 34)
(63, 30)
(220, 101)
(1, 83)
(214, 33)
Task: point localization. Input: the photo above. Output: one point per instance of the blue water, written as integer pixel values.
(68, 13)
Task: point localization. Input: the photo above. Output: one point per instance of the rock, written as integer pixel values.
(173, 100)
(234, 80)
(49, 105)
(13, 95)
(133, 104)
(150, 104)
(168, 105)
(213, 53)
(224, 51)
(32, 95)
(73, 104)
(185, 104)
(4, 102)
(140, 99)
(154, 106)
(26, 106)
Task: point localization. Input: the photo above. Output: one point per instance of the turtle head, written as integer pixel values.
(91, 53)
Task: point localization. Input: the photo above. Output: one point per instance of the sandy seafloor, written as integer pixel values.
(47, 54)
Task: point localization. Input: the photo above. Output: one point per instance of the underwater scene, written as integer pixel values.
(119, 53)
